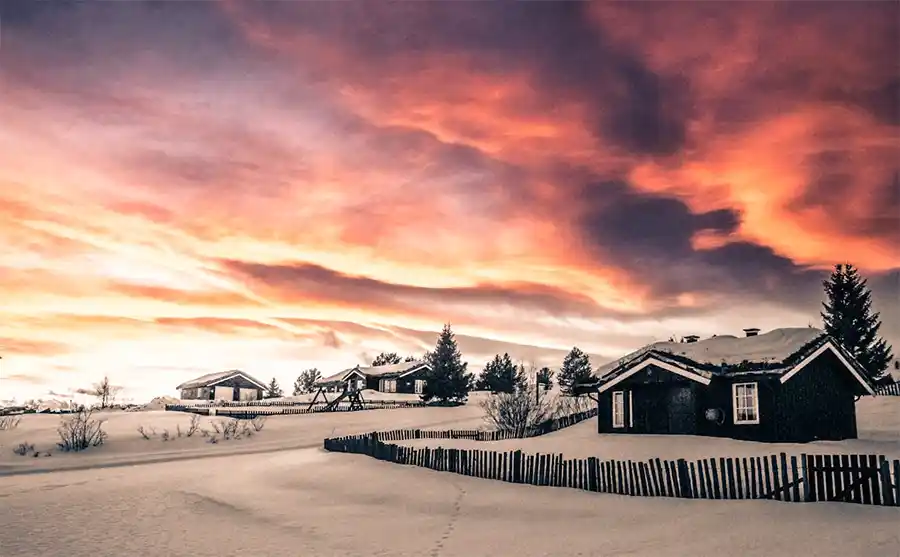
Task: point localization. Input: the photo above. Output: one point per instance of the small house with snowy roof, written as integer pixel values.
(405, 377)
(232, 385)
(787, 385)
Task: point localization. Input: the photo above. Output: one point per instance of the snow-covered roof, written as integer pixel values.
(213, 378)
(772, 348)
(374, 371)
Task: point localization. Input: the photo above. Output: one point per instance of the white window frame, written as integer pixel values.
(620, 397)
(389, 385)
(753, 399)
(419, 386)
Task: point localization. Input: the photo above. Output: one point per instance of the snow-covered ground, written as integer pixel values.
(309, 502)
(281, 432)
(305, 501)
(878, 423)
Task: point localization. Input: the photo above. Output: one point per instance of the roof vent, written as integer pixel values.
(752, 332)
(691, 338)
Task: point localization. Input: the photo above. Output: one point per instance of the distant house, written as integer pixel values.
(405, 377)
(788, 385)
(232, 385)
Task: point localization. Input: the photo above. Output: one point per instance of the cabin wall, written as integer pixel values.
(719, 394)
(656, 401)
(407, 384)
(817, 403)
(238, 385)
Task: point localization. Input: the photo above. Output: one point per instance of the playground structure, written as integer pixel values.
(351, 394)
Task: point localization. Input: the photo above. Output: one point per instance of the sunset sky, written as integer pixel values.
(189, 187)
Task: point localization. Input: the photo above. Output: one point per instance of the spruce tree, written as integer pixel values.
(273, 390)
(447, 380)
(307, 381)
(500, 375)
(576, 368)
(849, 319)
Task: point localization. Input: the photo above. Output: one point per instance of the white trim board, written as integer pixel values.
(414, 370)
(351, 372)
(658, 363)
(827, 346)
(242, 374)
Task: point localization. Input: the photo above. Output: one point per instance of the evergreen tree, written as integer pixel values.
(849, 319)
(447, 380)
(500, 375)
(273, 390)
(409, 359)
(545, 378)
(307, 381)
(386, 359)
(576, 368)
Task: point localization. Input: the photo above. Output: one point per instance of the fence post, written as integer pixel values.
(517, 467)
(684, 480)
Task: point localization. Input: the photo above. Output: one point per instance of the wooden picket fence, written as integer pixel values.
(864, 479)
(246, 412)
(893, 389)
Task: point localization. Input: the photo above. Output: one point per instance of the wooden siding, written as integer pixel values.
(817, 403)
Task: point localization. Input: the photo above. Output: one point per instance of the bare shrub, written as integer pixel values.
(80, 431)
(165, 435)
(518, 411)
(258, 422)
(194, 425)
(230, 429)
(217, 425)
(9, 422)
(178, 432)
(214, 439)
(23, 449)
(143, 432)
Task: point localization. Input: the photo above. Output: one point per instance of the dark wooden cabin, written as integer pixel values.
(405, 377)
(788, 385)
(233, 385)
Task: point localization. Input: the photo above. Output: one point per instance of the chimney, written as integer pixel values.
(691, 338)
(752, 332)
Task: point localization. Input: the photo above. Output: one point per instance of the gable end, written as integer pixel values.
(658, 363)
(829, 346)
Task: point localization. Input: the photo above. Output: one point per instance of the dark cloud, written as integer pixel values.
(567, 56)
(642, 226)
(650, 236)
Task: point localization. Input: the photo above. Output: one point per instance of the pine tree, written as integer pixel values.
(500, 375)
(409, 359)
(447, 380)
(849, 319)
(386, 359)
(545, 378)
(576, 368)
(273, 390)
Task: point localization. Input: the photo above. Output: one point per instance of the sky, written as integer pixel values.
(190, 187)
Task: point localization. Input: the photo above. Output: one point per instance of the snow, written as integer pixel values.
(296, 498)
(774, 346)
(309, 502)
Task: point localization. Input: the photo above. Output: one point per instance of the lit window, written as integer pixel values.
(746, 403)
(618, 409)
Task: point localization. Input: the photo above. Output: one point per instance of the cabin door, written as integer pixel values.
(681, 412)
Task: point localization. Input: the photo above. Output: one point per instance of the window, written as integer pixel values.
(746, 403)
(389, 385)
(618, 409)
(420, 386)
(630, 409)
